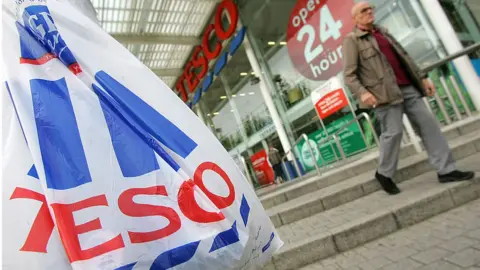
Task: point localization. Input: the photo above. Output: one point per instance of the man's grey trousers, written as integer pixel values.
(425, 124)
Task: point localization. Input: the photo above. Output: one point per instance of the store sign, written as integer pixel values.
(329, 98)
(262, 167)
(350, 140)
(315, 33)
(197, 68)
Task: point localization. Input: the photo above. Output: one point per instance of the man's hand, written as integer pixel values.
(429, 87)
(368, 99)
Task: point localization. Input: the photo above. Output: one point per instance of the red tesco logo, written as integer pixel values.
(69, 231)
(203, 54)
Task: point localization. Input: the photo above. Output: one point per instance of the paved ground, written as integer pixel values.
(450, 241)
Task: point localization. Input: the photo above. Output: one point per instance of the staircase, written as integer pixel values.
(320, 216)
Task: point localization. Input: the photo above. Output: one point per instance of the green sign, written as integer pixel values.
(350, 139)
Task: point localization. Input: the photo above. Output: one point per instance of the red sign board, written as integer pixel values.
(331, 103)
(197, 67)
(315, 33)
(262, 167)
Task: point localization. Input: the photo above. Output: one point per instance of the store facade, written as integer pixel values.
(260, 95)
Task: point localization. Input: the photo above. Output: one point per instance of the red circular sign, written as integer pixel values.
(315, 33)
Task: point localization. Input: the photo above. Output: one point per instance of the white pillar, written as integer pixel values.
(267, 97)
(452, 44)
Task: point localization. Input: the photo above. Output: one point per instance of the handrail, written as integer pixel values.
(294, 159)
(307, 141)
(463, 52)
(335, 135)
(329, 138)
(369, 121)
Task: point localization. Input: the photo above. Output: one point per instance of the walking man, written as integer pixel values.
(381, 75)
(276, 160)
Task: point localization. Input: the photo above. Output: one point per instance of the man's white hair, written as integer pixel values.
(355, 7)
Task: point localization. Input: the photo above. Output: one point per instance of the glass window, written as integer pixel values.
(421, 48)
(464, 18)
(219, 114)
(267, 23)
(474, 7)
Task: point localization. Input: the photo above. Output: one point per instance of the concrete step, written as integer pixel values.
(355, 223)
(362, 184)
(449, 241)
(278, 194)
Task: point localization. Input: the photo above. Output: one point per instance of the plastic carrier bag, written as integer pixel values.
(104, 167)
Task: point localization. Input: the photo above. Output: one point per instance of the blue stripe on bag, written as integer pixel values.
(175, 256)
(225, 238)
(268, 243)
(59, 139)
(115, 107)
(244, 210)
(127, 267)
(134, 156)
(148, 118)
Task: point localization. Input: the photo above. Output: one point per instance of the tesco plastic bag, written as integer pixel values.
(104, 166)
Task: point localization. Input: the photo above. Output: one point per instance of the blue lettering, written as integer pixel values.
(30, 48)
(39, 22)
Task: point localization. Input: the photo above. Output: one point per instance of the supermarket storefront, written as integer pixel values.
(251, 80)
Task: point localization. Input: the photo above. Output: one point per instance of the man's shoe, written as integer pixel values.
(387, 184)
(455, 176)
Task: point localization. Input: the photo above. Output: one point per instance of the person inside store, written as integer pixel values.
(276, 161)
(382, 76)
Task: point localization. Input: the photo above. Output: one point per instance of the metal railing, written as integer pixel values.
(447, 101)
(443, 61)
(290, 152)
(328, 139)
(450, 103)
(334, 136)
(356, 119)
